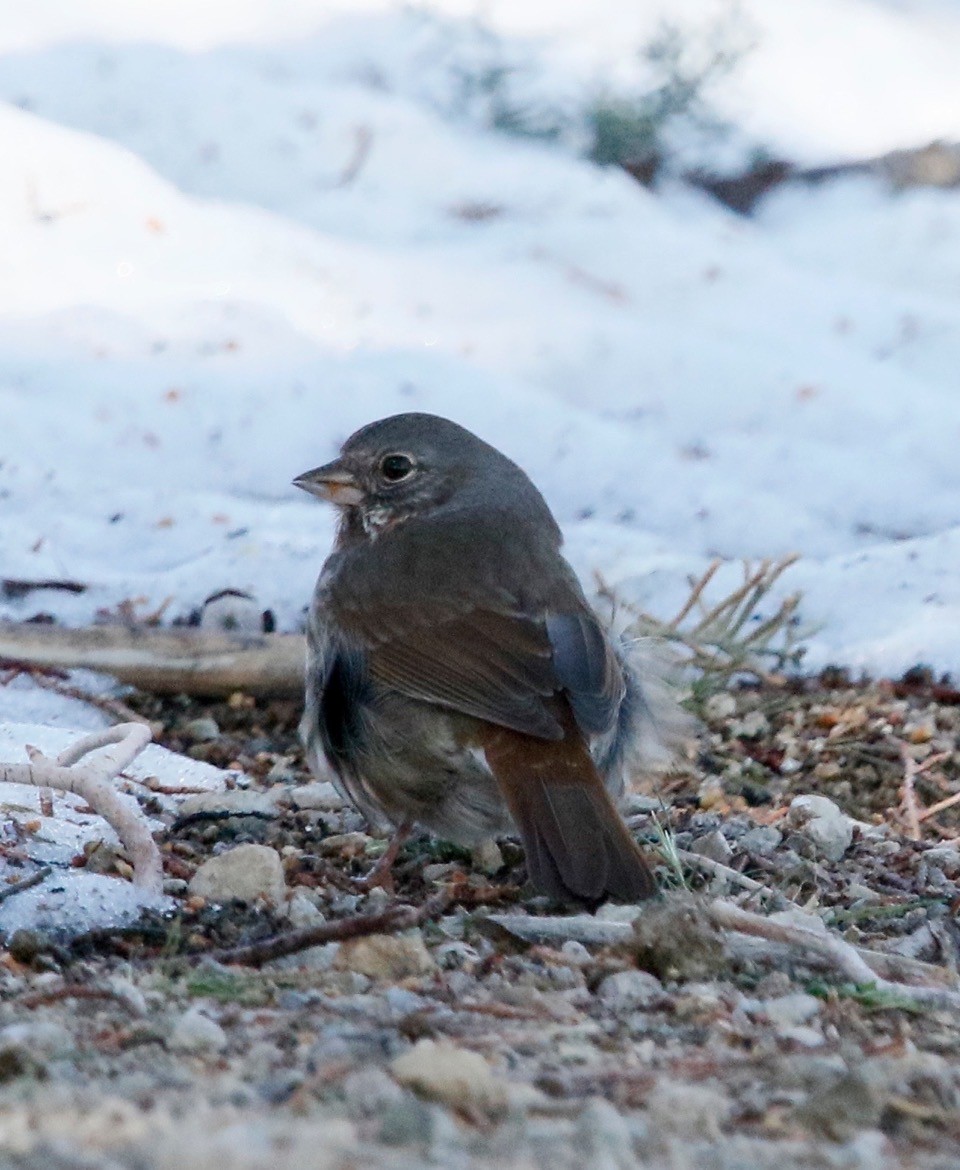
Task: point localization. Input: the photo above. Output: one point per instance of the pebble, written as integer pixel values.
(719, 708)
(453, 1076)
(818, 819)
(402, 1002)
(34, 1039)
(238, 802)
(576, 953)
(713, 846)
(410, 1121)
(602, 1137)
(842, 1107)
(761, 840)
(370, 1092)
(202, 730)
(302, 912)
(486, 857)
(691, 1112)
(453, 955)
(630, 990)
(247, 873)
(947, 857)
(614, 912)
(752, 726)
(196, 1033)
(320, 797)
(386, 956)
(787, 1010)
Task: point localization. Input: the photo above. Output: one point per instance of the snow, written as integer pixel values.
(230, 234)
(72, 901)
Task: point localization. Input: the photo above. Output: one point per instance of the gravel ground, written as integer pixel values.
(458, 1043)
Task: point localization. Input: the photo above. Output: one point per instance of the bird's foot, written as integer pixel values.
(382, 873)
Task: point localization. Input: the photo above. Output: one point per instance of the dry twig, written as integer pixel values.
(734, 876)
(25, 884)
(859, 965)
(728, 637)
(167, 661)
(912, 811)
(120, 745)
(844, 958)
(390, 921)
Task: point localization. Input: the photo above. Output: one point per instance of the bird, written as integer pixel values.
(457, 679)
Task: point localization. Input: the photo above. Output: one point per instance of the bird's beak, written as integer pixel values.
(332, 482)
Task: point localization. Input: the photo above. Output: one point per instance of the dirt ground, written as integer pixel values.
(460, 1043)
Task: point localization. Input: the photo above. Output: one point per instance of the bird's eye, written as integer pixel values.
(393, 468)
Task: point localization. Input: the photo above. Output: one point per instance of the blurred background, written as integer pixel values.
(695, 265)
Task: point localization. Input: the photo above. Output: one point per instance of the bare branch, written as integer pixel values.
(91, 781)
(389, 921)
(197, 662)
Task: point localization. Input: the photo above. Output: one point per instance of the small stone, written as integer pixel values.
(238, 802)
(713, 846)
(486, 857)
(438, 871)
(690, 1112)
(319, 797)
(602, 1137)
(630, 990)
(803, 1036)
(245, 873)
(947, 857)
(711, 793)
(302, 912)
(576, 953)
(386, 956)
(818, 819)
(753, 725)
(719, 708)
(101, 856)
(41, 1039)
(676, 939)
(202, 730)
(410, 1121)
(281, 772)
(454, 1076)
(761, 840)
(129, 994)
(196, 1033)
(370, 1092)
(345, 844)
(842, 1107)
(617, 912)
(788, 1010)
(25, 944)
(402, 1002)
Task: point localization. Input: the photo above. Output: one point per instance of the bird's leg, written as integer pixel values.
(381, 874)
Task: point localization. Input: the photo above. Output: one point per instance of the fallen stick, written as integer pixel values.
(843, 957)
(92, 781)
(390, 921)
(25, 883)
(194, 661)
(734, 876)
(857, 964)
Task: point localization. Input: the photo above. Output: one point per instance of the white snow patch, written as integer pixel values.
(72, 901)
(230, 234)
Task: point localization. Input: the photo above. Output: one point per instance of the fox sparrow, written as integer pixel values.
(456, 676)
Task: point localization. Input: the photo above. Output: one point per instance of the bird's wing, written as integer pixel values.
(505, 667)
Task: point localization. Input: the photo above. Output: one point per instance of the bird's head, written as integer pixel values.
(410, 465)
